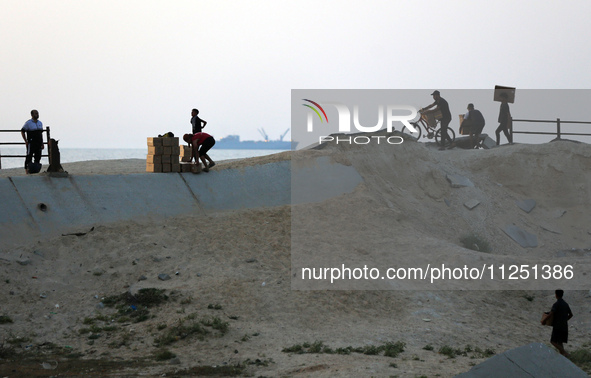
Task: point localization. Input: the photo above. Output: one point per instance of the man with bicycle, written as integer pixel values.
(443, 107)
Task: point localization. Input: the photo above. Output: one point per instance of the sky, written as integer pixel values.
(109, 74)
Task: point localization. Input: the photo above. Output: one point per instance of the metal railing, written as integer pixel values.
(559, 133)
(46, 130)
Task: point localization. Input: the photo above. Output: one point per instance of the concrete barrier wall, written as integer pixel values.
(32, 206)
(248, 187)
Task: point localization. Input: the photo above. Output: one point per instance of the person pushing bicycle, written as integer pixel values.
(443, 107)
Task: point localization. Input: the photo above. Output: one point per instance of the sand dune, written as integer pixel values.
(241, 261)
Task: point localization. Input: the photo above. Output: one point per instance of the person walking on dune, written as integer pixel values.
(504, 120)
(561, 314)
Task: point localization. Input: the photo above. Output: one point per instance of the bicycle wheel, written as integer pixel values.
(416, 134)
(450, 132)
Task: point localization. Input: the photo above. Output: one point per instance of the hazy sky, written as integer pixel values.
(111, 73)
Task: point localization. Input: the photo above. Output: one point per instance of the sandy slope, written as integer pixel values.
(241, 260)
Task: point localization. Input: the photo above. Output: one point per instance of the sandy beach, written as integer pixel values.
(130, 166)
(229, 302)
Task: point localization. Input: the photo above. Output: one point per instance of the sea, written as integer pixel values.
(70, 155)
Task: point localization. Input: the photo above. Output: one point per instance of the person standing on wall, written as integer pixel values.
(32, 133)
(197, 123)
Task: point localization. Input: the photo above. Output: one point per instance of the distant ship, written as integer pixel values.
(233, 142)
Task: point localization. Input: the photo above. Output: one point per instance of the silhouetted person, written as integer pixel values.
(197, 123)
(504, 119)
(561, 314)
(442, 106)
(33, 139)
(200, 144)
(474, 122)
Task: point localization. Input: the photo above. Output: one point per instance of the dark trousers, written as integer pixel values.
(444, 135)
(33, 152)
(206, 146)
(504, 128)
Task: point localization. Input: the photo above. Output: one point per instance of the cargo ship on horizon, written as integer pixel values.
(233, 142)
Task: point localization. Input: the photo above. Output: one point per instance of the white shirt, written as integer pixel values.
(31, 125)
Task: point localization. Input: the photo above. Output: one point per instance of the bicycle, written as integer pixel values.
(429, 122)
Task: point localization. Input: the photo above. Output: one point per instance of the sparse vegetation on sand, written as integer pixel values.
(389, 349)
(190, 326)
(163, 355)
(134, 307)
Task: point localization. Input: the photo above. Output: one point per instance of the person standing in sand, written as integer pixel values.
(33, 139)
(443, 106)
(200, 144)
(197, 123)
(504, 119)
(561, 313)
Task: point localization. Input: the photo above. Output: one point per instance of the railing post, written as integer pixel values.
(557, 128)
(48, 150)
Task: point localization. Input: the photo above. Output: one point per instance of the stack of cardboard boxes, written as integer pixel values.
(163, 155)
(186, 159)
(166, 155)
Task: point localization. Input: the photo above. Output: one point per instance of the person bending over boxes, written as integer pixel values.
(200, 144)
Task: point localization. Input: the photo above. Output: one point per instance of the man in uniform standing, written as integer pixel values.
(32, 133)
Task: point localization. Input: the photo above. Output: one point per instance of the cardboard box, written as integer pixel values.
(432, 116)
(186, 159)
(176, 150)
(166, 159)
(185, 167)
(155, 141)
(168, 141)
(186, 153)
(155, 150)
(154, 159)
(175, 167)
(510, 91)
(166, 168)
(463, 130)
(156, 168)
(166, 150)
